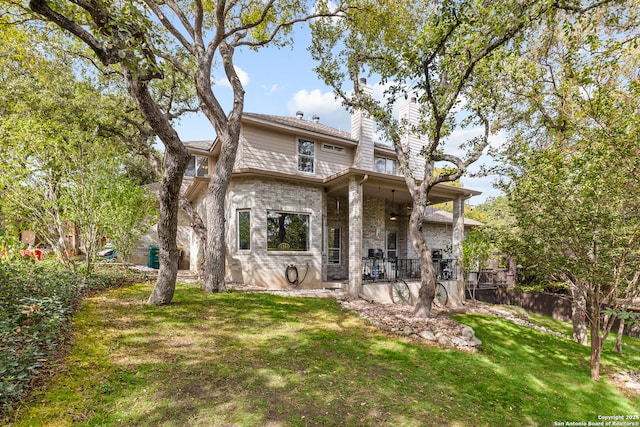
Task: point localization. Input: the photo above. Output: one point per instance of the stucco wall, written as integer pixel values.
(140, 255)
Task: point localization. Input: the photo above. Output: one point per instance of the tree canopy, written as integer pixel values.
(161, 43)
(574, 157)
(444, 54)
(58, 169)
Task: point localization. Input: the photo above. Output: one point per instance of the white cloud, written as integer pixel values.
(322, 104)
(271, 89)
(243, 75)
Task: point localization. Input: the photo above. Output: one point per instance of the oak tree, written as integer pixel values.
(574, 155)
(145, 40)
(445, 54)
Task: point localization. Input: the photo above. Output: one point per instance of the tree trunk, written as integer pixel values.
(618, 346)
(596, 349)
(200, 230)
(578, 313)
(228, 132)
(176, 159)
(168, 228)
(427, 290)
(214, 252)
(215, 249)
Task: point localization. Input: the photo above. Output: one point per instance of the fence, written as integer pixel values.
(389, 269)
(553, 305)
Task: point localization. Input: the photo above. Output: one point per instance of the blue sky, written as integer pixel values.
(282, 82)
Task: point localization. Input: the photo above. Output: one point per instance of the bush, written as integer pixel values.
(548, 287)
(37, 300)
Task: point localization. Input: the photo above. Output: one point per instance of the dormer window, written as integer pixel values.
(197, 166)
(306, 156)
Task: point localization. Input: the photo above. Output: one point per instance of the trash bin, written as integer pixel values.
(154, 261)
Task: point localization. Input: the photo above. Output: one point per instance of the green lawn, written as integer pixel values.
(256, 359)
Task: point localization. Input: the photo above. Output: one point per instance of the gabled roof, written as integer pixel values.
(199, 145)
(443, 217)
(207, 146)
(296, 123)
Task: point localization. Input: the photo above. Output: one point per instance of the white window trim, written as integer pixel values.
(298, 156)
(238, 211)
(309, 236)
(339, 249)
(387, 160)
(197, 165)
(334, 148)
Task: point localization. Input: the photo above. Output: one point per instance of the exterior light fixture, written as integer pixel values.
(394, 215)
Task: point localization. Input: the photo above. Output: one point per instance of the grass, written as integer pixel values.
(37, 299)
(256, 359)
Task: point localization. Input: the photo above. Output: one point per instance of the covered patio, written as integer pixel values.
(374, 208)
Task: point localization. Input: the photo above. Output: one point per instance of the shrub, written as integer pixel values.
(37, 300)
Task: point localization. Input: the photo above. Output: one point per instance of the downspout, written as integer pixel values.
(366, 177)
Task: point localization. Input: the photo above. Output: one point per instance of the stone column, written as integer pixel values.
(355, 236)
(457, 240)
(325, 229)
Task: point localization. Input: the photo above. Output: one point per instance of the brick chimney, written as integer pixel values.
(362, 131)
(412, 143)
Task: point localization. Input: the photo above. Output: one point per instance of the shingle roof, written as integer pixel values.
(295, 122)
(439, 216)
(199, 145)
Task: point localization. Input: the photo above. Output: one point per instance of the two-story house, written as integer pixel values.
(309, 205)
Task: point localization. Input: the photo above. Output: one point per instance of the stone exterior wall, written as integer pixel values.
(258, 266)
(438, 237)
(373, 227)
(337, 218)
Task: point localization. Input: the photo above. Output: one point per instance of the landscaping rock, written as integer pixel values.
(627, 380)
(459, 342)
(467, 332)
(444, 340)
(427, 335)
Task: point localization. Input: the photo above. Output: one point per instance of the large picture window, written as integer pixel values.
(287, 231)
(306, 156)
(333, 246)
(197, 166)
(244, 230)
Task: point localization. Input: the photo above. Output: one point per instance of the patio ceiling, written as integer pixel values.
(380, 186)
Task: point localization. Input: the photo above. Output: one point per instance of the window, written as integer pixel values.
(385, 165)
(306, 156)
(287, 231)
(328, 147)
(333, 246)
(244, 230)
(197, 166)
(392, 245)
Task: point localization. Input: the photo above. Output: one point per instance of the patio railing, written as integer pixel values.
(388, 269)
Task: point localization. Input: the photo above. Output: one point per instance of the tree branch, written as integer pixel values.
(105, 55)
(169, 25)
